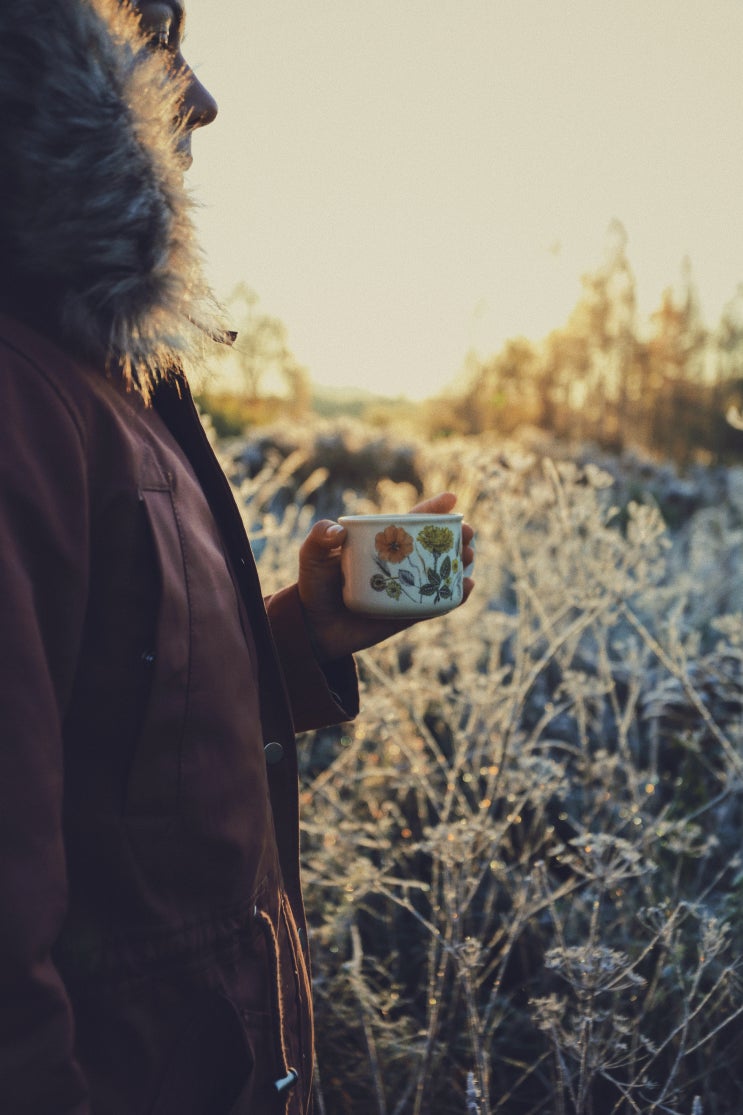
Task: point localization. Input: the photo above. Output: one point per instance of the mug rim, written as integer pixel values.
(440, 516)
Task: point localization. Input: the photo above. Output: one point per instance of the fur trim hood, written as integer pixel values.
(96, 241)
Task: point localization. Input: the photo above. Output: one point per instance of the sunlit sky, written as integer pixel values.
(401, 181)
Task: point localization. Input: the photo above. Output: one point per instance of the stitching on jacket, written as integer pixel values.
(187, 700)
(277, 1008)
(126, 957)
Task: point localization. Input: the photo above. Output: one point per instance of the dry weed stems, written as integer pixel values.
(523, 860)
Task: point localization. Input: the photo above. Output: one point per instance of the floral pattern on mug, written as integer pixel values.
(393, 544)
(428, 564)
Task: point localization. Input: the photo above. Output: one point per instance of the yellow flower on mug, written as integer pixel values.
(437, 540)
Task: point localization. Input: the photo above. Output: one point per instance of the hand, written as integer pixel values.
(335, 630)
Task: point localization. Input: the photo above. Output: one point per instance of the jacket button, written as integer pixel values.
(273, 752)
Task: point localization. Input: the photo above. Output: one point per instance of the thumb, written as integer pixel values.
(324, 537)
(319, 567)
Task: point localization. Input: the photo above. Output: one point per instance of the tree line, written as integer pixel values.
(674, 389)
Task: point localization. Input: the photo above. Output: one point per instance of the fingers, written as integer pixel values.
(436, 505)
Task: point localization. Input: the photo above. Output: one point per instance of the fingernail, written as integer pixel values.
(336, 528)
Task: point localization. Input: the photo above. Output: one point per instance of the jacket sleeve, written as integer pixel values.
(43, 530)
(319, 695)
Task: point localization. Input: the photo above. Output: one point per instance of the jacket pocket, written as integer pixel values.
(154, 784)
(303, 990)
(211, 1066)
(289, 1006)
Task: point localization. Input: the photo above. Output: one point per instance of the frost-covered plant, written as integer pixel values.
(522, 860)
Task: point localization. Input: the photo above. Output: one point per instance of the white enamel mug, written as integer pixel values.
(402, 565)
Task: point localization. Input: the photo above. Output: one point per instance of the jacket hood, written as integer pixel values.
(96, 240)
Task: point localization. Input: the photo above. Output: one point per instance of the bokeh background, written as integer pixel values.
(403, 182)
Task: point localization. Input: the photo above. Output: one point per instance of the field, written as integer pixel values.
(523, 861)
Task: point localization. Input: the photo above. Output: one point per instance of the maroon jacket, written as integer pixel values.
(153, 953)
(152, 939)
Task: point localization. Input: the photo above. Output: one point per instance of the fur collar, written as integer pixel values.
(95, 227)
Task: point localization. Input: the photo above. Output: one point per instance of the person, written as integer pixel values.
(153, 945)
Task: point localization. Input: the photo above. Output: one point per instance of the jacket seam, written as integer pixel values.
(150, 933)
(53, 386)
(187, 697)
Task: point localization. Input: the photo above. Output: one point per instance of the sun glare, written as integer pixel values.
(401, 184)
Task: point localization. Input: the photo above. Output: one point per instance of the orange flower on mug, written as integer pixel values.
(393, 544)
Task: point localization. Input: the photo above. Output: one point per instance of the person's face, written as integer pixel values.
(163, 21)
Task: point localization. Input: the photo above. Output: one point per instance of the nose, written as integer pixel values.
(199, 106)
